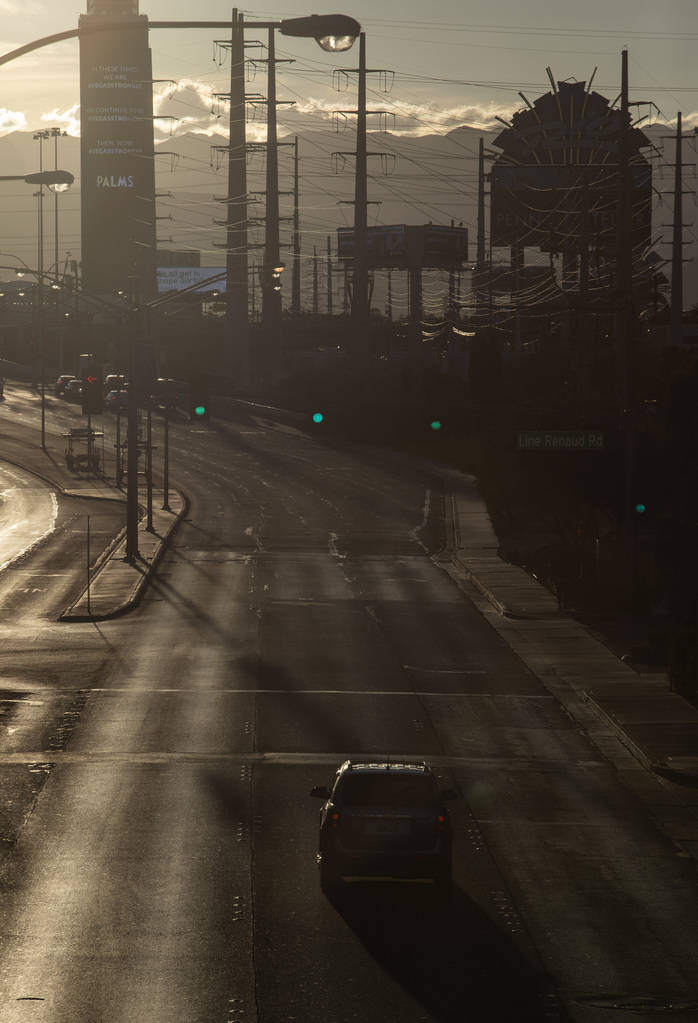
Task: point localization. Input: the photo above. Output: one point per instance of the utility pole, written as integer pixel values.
(414, 331)
(360, 298)
(237, 345)
(480, 293)
(329, 275)
(624, 322)
(316, 296)
(253, 290)
(624, 251)
(271, 292)
(360, 313)
(296, 278)
(677, 245)
(517, 262)
(390, 297)
(451, 301)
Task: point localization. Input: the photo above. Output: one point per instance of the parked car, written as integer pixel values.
(114, 382)
(60, 384)
(385, 819)
(166, 391)
(117, 400)
(72, 390)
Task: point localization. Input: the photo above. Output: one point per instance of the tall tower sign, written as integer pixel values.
(116, 150)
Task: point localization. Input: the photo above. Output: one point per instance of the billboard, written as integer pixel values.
(409, 246)
(557, 208)
(116, 151)
(179, 257)
(176, 278)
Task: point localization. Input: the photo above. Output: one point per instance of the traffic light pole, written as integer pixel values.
(166, 467)
(132, 551)
(149, 469)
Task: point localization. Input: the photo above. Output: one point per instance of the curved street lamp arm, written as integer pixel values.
(5, 58)
(332, 23)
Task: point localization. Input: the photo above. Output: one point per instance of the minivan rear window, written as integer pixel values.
(393, 790)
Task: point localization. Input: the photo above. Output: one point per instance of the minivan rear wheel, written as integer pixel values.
(330, 879)
(443, 878)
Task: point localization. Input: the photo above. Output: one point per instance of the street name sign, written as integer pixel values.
(560, 440)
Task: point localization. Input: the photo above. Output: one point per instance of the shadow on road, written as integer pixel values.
(444, 950)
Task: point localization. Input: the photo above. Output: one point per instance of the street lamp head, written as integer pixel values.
(57, 180)
(332, 32)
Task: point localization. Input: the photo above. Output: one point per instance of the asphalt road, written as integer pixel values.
(158, 844)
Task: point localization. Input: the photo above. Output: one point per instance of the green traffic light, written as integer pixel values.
(640, 508)
(436, 424)
(318, 417)
(200, 410)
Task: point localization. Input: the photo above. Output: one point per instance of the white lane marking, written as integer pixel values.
(446, 671)
(405, 579)
(46, 759)
(425, 517)
(30, 703)
(136, 690)
(332, 546)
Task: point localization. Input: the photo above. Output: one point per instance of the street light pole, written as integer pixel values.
(41, 135)
(55, 134)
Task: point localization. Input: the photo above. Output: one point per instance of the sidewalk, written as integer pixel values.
(117, 584)
(657, 726)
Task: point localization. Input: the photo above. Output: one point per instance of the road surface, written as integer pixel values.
(159, 840)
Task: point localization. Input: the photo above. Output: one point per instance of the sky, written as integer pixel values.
(464, 67)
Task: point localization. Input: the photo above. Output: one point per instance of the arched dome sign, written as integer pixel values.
(555, 185)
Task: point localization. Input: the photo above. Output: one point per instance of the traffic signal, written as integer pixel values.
(199, 411)
(270, 276)
(92, 392)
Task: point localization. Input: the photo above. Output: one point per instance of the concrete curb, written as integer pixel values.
(501, 608)
(146, 567)
(679, 769)
(632, 747)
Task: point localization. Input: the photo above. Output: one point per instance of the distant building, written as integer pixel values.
(116, 150)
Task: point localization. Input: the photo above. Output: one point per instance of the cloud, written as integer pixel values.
(68, 119)
(194, 107)
(19, 7)
(11, 120)
(187, 105)
(687, 121)
(425, 118)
